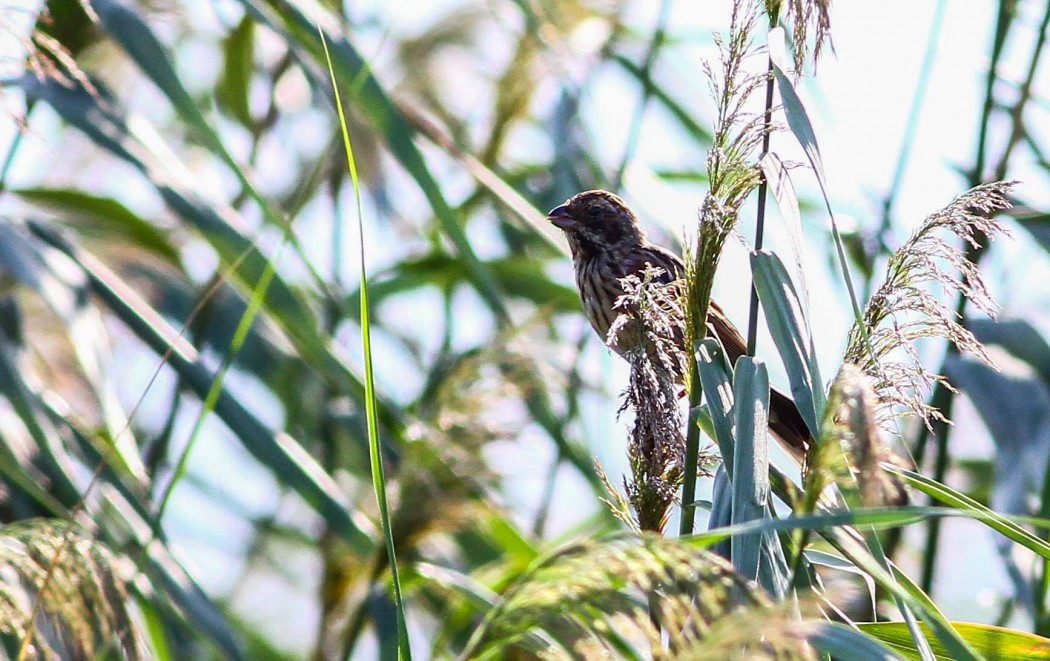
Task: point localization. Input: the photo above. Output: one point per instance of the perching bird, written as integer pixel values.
(607, 244)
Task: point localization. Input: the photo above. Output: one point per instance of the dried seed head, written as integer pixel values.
(903, 310)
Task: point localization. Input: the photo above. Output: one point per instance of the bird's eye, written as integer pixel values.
(593, 210)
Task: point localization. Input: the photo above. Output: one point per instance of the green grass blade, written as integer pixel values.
(993, 520)
(374, 449)
(104, 218)
(844, 642)
(754, 556)
(990, 641)
(216, 387)
(912, 601)
(791, 333)
(885, 517)
(802, 129)
(828, 523)
(714, 379)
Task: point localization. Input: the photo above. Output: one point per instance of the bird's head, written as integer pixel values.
(597, 219)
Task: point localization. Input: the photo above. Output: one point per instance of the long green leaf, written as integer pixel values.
(718, 390)
(754, 556)
(843, 642)
(904, 590)
(990, 641)
(791, 333)
(993, 520)
(101, 218)
(802, 129)
(374, 450)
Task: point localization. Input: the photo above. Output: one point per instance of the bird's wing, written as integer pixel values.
(785, 421)
(650, 255)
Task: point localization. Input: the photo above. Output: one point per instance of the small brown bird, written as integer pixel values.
(607, 244)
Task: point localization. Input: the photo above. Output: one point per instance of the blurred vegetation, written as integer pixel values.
(179, 323)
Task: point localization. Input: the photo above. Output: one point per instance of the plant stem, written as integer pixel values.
(760, 219)
(692, 452)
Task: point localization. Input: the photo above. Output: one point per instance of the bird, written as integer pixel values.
(608, 243)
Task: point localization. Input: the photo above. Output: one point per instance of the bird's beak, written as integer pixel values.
(560, 218)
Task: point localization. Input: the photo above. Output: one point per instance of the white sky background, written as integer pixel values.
(859, 103)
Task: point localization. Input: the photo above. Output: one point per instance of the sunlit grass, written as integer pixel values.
(374, 448)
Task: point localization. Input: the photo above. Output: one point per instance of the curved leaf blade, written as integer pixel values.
(789, 327)
(989, 641)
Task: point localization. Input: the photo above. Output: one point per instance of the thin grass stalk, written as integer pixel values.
(236, 344)
(760, 214)
(692, 453)
(329, 593)
(404, 651)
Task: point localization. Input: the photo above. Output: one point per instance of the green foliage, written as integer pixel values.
(179, 323)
